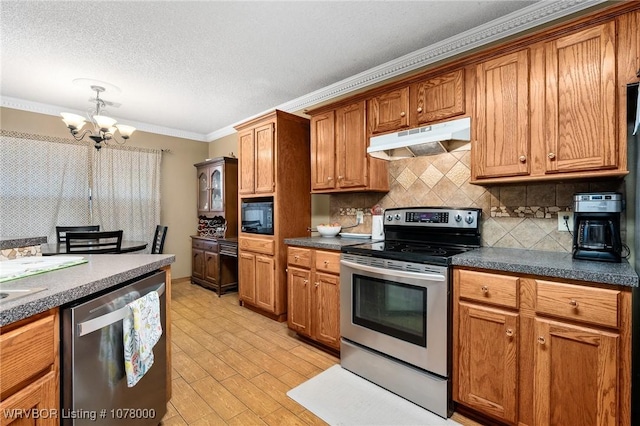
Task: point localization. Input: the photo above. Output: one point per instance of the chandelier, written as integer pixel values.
(104, 128)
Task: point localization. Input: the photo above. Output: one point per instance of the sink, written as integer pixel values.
(7, 294)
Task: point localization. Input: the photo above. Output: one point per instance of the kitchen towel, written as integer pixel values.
(377, 231)
(141, 330)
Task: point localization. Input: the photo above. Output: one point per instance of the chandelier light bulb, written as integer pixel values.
(125, 131)
(73, 121)
(104, 122)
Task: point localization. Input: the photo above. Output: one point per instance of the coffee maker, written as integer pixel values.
(596, 232)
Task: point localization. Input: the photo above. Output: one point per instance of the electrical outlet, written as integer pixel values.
(359, 217)
(562, 226)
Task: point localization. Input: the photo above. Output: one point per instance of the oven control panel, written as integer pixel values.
(434, 216)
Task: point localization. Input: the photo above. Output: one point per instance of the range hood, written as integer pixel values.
(428, 140)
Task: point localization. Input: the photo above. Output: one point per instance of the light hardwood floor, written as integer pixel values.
(232, 366)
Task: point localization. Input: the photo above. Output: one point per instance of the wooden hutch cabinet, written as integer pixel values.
(211, 266)
(274, 168)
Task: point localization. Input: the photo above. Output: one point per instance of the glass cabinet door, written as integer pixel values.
(216, 189)
(203, 191)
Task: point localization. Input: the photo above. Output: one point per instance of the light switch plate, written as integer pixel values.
(561, 223)
(359, 217)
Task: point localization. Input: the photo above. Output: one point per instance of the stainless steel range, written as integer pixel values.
(395, 299)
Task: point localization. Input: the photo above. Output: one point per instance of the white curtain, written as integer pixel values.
(43, 183)
(126, 190)
(47, 182)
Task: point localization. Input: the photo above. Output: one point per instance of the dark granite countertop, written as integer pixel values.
(15, 242)
(325, 243)
(548, 264)
(69, 284)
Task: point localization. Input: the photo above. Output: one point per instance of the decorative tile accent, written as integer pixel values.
(520, 216)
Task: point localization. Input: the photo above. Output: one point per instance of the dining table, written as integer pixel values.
(127, 246)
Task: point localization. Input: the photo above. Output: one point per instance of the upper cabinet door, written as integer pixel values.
(440, 97)
(203, 190)
(351, 146)
(502, 116)
(389, 111)
(246, 162)
(323, 151)
(217, 188)
(581, 101)
(264, 172)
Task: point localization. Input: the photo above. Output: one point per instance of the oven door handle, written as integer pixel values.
(400, 274)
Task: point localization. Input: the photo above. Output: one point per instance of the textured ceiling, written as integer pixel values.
(198, 67)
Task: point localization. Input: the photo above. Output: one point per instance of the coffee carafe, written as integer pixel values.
(596, 231)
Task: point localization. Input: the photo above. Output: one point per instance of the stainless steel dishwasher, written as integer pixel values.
(94, 385)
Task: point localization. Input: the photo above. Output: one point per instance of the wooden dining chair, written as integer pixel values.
(97, 242)
(61, 231)
(158, 239)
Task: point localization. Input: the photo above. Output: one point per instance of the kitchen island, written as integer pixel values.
(30, 332)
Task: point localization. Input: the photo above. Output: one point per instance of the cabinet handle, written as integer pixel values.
(340, 177)
(317, 283)
(296, 257)
(523, 159)
(402, 114)
(329, 178)
(541, 340)
(574, 303)
(485, 289)
(551, 155)
(419, 109)
(326, 263)
(305, 282)
(509, 332)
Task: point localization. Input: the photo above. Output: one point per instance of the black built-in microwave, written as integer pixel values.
(257, 216)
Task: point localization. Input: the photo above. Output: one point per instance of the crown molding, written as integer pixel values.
(55, 110)
(540, 13)
(524, 19)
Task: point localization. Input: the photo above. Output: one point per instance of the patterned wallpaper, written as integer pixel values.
(514, 216)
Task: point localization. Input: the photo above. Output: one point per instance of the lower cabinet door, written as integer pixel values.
(247, 277)
(197, 263)
(487, 364)
(576, 375)
(299, 283)
(265, 281)
(326, 309)
(211, 267)
(36, 404)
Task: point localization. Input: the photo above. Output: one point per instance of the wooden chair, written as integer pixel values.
(61, 231)
(158, 239)
(97, 242)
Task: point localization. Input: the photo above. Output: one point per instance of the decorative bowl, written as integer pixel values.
(328, 231)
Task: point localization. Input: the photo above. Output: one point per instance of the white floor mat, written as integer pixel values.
(340, 397)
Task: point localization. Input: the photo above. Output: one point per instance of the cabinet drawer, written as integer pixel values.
(299, 257)
(26, 351)
(328, 261)
(489, 288)
(580, 303)
(205, 245)
(257, 245)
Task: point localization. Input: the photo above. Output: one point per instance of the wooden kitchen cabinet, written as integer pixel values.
(273, 164)
(257, 275)
(551, 110)
(419, 103)
(210, 268)
(29, 378)
(314, 294)
(559, 351)
(339, 159)
(502, 142)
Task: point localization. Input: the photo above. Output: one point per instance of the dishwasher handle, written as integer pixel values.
(94, 324)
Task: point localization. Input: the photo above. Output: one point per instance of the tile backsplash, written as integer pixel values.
(514, 216)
